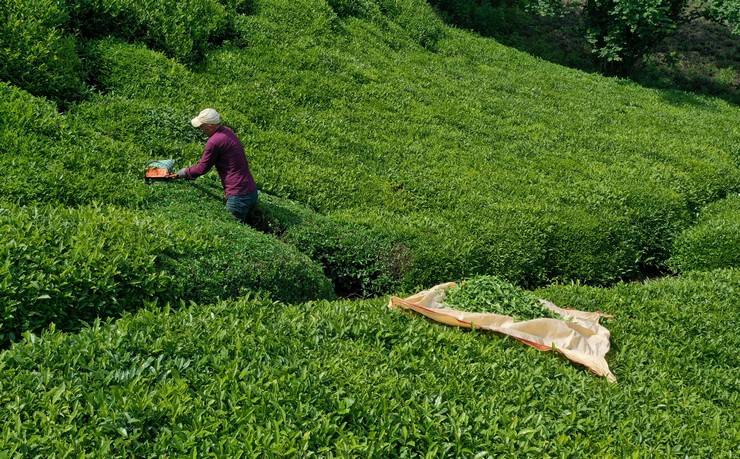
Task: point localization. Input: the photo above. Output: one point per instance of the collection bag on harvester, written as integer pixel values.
(577, 335)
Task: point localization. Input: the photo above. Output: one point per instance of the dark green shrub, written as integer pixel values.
(656, 214)
(356, 8)
(713, 242)
(416, 19)
(71, 265)
(598, 248)
(622, 31)
(495, 17)
(628, 234)
(358, 259)
(182, 30)
(35, 53)
(727, 12)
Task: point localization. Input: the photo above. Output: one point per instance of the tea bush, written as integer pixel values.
(235, 258)
(66, 266)
(354, 379)
(48, 159)
(472, 160)
(566, 198)
(713, 242)
(361, 8)
(121, 67)
(358, 259)
(36, 54)
(307, 22)
(70, 265)
(41, 56)
(286, 24)
(416, 19)
(392, 167)
(108, 166)
(556, 198)
(238, 7)
(182, 30)
(28, 116)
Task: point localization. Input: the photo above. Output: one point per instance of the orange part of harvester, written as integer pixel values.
(578, 336)
(158, 173)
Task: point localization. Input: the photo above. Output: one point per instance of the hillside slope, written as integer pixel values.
(486, 159)
(434, 153)
(393, 152)
(480, 158)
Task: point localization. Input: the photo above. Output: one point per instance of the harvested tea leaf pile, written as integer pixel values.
(493, 294)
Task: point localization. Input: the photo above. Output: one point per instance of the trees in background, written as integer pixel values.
(726, 11)
(619, 32)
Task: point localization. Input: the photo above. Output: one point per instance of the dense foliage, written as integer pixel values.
(618, 32)
(492, 17)
(254, 377)
(358, 259)
(51, 159)
(726, 11)
(69, 265)
(180, 29)
(48, 159)
(714, 242)
(564, 220)
(35, 52)
(622, 31)
(471, 160)
(66, 266)
(355, 258)
(495, 295)
(392, 152)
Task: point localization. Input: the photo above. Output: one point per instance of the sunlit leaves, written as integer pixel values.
(353, 379)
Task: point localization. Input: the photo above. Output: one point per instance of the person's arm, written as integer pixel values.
(204, 165)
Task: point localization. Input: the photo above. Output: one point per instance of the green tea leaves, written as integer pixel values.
(493, 294)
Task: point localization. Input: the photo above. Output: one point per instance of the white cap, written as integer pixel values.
(207, 116)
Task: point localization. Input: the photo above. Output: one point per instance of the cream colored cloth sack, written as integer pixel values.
(579, 336)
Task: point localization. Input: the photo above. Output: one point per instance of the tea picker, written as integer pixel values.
(222, 150)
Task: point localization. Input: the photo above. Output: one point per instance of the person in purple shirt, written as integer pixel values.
(224, 151)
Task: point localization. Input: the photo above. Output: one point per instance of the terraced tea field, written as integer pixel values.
(393, 153)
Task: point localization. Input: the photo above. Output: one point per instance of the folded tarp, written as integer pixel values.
(578, 336)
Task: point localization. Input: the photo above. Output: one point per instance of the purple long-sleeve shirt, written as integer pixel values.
(224, 150)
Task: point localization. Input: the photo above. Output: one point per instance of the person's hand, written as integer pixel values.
(181, 173)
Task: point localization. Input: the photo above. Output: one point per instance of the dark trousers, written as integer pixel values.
(241, 205)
